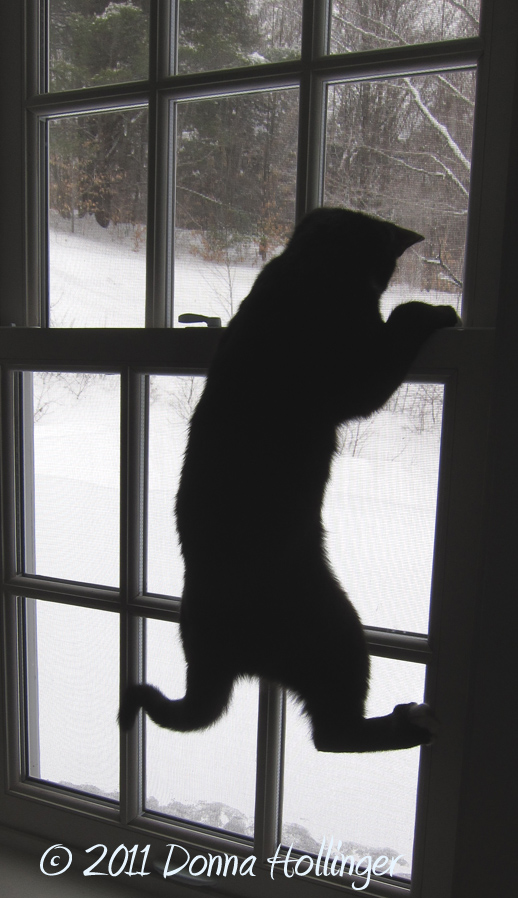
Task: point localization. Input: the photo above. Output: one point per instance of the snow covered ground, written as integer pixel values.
(97, 277)
(380, 514)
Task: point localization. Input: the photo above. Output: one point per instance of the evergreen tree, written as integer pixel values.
(97, 166)
(98, 162)
(215, 34)
(97, 43)
(236, 168)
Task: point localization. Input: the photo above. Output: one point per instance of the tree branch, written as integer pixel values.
(440, 128)
(451, 175)
(447, 173)
(456, 91)
(447, 270)
(465, 10)
(363, 31)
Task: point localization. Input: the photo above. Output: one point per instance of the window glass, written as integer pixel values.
(172, 402)
(375, 24)
(208, 776)
(94, 42)
(380, 505)
(97, 219)
(366, 801)
(400, 148)
(74, 696)
(74, 533)
(215, 35)
(235, 195)
(379, 510)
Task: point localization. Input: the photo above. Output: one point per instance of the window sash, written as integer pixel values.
(492, 52)
(462, 359)
(311, 74)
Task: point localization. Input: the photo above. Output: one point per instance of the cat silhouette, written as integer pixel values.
(306, 351)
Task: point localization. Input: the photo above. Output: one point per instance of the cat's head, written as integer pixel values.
(351, 244)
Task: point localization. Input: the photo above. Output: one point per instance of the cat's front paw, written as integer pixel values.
(446, 316)
(422, 716)
(417, 719)
(423, 318)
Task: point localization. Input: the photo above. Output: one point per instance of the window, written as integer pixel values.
(169, 149)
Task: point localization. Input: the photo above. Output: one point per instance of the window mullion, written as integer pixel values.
(35, 311)
(160, 232)
(270, 765)
(12, 617)
(161, 175)
(315, 27)
(169, 14)
(26, 549)
(131, 744)
(133, 433)
(12, 514)
(26, 562)
(132, 516)
(155, 294)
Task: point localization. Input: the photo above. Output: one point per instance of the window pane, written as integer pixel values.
(375, 24)
(76, 433)
(97, 219)
(73, 702)
(235, 195)
(366, 801)
(172, 402)
(207, 777)
(380, 506)
(400, 148)
(379, 510)
(215, 35)
(97, 42)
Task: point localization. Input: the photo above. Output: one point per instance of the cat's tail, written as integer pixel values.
(200, 707)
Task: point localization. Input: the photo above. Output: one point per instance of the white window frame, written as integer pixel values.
(463, 359)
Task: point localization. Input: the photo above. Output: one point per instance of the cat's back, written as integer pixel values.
(263, 434)
(254, 459)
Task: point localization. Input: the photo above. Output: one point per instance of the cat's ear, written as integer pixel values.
(404, 238)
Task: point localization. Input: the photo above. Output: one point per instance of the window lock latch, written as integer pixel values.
(192, 318)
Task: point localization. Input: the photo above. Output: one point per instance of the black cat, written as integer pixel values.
(306, 351)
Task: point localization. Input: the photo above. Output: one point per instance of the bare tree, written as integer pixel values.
(352, 437)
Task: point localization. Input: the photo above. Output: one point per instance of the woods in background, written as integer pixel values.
(395, 147)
